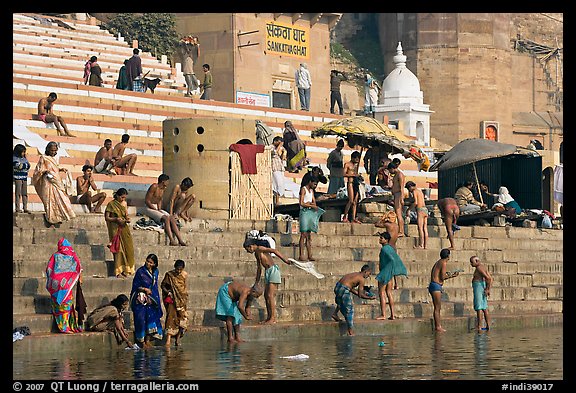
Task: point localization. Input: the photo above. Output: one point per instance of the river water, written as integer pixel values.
(508, 354)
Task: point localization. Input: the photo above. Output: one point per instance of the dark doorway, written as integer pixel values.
(548, 189)
(281, 100)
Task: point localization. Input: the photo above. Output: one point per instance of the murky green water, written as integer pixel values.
(510, 354)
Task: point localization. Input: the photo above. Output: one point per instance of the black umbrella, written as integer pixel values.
(473, 150)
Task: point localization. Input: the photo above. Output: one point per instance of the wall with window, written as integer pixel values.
(254, 56)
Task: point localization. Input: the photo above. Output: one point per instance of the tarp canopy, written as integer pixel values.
(362, 131)
(477, 149)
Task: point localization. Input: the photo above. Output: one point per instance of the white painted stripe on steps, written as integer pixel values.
(70, 61)
(34, 140)
(94, 148)
(91, 129)
(264, 112)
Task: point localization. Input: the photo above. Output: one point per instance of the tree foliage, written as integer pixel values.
(155, 32)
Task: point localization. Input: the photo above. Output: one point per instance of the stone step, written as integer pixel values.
(40, 303)
(468, 237)
(500, 234)
(88, 252)
(204, 268)
(555, 291)
(49, 236)
(306, 284)
(539, 267)
(43, 323)
(99, 235)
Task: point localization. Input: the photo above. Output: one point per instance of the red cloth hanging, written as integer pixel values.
(247, 156)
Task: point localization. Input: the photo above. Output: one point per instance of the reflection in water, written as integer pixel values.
(511, 354)
(344, 356)
(481, 341)
(175, 363)
(228, 361)
(147, 363)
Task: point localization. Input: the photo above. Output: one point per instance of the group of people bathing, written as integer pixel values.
(147, 295)
(235, 298)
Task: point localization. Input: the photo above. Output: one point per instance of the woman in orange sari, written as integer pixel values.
(51, 189)
(116, 216)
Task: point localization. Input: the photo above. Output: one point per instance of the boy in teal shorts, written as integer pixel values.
(272, 277)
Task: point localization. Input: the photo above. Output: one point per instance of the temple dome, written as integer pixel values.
(401, 78)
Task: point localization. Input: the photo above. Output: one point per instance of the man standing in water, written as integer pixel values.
(232, 303)
(481, 283)
(437, 277)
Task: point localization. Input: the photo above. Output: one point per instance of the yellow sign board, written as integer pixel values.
(287, 40)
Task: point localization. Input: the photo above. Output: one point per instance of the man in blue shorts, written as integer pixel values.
(437, 277)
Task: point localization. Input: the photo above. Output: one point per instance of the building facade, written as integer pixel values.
(493, 75)
(253, 57)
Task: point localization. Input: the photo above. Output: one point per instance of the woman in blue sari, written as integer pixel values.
(145, 303)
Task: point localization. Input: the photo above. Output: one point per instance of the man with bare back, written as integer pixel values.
(352, 186)
(124, 164)
(232, 303)
(343, 291)
(481, 284)
(398, 192)
(450, 213)
(421, 211)
(263, 253)
(153, 201)
(181, 200)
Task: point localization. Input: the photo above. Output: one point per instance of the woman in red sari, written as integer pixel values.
(62, 274)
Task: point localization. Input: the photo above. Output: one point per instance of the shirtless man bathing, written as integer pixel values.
(153, 201)
(263, 253)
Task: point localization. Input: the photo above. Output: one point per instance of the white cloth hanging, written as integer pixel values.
(559, 183)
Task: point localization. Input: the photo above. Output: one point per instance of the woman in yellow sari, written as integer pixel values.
(175, 299)
(116, 216)
(295, 148)
(50, 188)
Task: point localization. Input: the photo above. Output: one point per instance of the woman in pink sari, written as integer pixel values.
(50, 188)
(62, 274)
